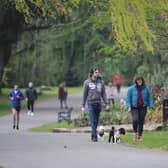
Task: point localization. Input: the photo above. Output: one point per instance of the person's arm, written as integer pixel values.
(11, 96)
(128, 100)
(150, 99)
(35, 92)
(103, 94)
(21, 97)
(85, 94)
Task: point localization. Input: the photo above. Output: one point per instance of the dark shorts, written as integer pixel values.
(17, 109)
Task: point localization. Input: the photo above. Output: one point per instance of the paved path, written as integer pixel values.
(24, 149)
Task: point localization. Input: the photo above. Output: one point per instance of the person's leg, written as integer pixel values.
(14, 117)
(142, 114)
(92, 122)
(97, 109)
(17, 117)
(65, 103)
(32, 106)
(61, 103)
(135, 119)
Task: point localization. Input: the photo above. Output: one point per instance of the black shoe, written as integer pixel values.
(13, 126)
(17, 127)
(94, 139)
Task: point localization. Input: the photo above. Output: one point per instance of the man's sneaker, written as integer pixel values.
(32, 114)
(29, 113)
(13, 126)
(94, 139)
(17, 127)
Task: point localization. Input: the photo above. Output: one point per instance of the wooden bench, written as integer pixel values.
(65, 115)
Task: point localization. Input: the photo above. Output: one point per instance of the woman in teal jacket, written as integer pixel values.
(138, 99)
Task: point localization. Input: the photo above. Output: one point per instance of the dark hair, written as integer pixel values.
(140, 78)
(92, 70)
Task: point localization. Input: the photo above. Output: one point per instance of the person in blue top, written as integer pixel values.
(138, 99)
(16, 96)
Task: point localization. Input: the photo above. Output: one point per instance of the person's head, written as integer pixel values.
(140, 81)
(94, 73)
(30, 84)
(16, 86)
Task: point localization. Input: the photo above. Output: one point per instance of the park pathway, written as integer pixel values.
(25, 149)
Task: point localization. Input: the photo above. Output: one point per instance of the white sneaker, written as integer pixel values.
(29, 113)
(32, 114)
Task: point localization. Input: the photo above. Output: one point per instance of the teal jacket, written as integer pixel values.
(132, 97)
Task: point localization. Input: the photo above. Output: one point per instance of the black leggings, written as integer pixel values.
(138, 117)
(30, 105)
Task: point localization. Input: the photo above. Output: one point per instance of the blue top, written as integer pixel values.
(17, 97)
(132, 97)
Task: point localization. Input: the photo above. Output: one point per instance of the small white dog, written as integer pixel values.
(101, 132)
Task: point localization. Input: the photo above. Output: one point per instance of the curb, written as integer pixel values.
(127, 127)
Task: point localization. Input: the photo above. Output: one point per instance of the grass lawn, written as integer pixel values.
(49, 127)
(5, 107)
(151, 139)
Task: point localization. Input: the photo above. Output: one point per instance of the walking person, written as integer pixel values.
(93, 92)
(16, 96)
(31, 96)
(62, 94)
(110, 93)
(138, 99)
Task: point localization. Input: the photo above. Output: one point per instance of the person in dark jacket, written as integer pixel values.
(16, 96)
(93, 92)
(62, 94)
(31, 96)
(138, 99)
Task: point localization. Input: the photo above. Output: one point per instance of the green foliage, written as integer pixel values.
(51, 126)
(115, 116)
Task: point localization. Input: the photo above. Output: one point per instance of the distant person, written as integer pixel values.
(93, 92)
(110, 93)
(118, 81)
(31, 96)
(138, 99)
(16, 96)
(122, 104)
(62, 95)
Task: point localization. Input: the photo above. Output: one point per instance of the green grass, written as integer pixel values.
(49, 127)
(151, 139)
(5, 107)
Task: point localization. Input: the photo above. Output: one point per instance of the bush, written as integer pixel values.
(115, 116)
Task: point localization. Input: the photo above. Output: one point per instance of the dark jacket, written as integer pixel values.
(31, 94)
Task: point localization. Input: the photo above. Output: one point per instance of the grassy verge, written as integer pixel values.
(49, 127)
(151, 139)
(5, 107)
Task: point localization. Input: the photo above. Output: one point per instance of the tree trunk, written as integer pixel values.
(5, 52)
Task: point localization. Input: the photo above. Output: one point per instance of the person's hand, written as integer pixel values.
(26, 99)
(129, 109)
(18, 97)
(11, 98)
(107, 108)
(83, 109)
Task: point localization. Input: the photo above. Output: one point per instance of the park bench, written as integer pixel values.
(65, 115)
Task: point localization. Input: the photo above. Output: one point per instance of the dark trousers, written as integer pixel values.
(138, 117)
(30, 105)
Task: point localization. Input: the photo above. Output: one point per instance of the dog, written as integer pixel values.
(101, 132)
(114, 135)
